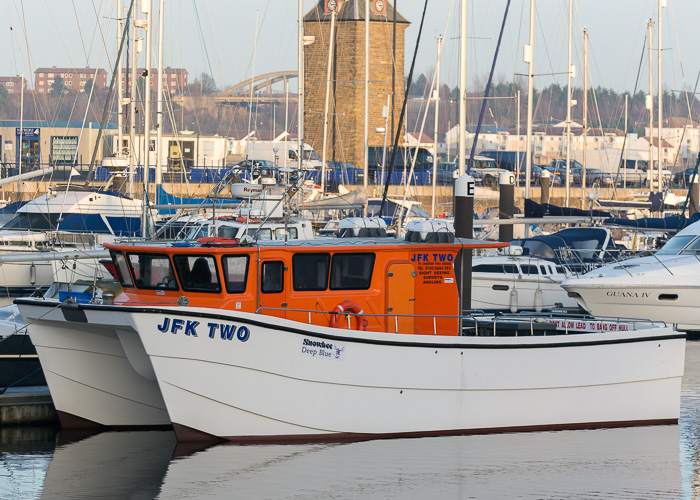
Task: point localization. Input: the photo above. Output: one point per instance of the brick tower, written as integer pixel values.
(347, 94)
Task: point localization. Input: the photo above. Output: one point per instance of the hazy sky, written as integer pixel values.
(218, 37)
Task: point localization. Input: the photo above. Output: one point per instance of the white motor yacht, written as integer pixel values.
(63, 219)
(662, 286)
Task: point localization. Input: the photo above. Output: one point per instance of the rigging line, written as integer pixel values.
(433, 86)
(634, 93)
(257, 38)
(14, 54)
(201, 36)
(98, 26)
(108, 103)
(111, 90)
(687, 99)
(252, 77)
(403, 111)
(80, 33)
(250, 61)
(77, 95)
(540, 99)
(488, 88)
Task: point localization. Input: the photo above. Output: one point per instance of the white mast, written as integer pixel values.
(568, 113)
(517, 132)
(437, 108)
(463, 88)
(624, 160)
(146, 8)
(529, 57)
(120, 90)
(300, 78)
(21, 137)
(365, 154)
(328, 91)
(660, 120)
(135, 49)
(650, 107)
(585, 103)
(159, 97)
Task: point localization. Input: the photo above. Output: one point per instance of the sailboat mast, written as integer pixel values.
(650, 107)
(159, 98)
(300, 78)
(325, 109)
(585, 103)
(435, 129)
(530, 59)
(120, 90)
(365, 162)
(568, 112)
(463, 88)
(660, 120)
(147, 8)
(135, 49)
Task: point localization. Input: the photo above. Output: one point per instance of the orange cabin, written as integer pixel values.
(398, 286)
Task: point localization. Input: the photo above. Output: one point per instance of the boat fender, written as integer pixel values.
(350, 307)
(539, 300)
(513, 301)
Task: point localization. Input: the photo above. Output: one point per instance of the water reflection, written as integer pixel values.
(618, 463)
(643, 462)
(110, 465)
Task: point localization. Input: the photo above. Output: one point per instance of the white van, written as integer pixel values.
(285, 156)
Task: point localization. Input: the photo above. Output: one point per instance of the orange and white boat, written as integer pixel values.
(336, 339)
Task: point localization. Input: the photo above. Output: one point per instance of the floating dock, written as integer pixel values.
(27, 406)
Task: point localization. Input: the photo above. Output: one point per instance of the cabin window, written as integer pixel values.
(543, 269)
(527, 269)
(259, 233)
(235, 272)
(693, 247)
(122, 269)
(197, 273)
(310, 271)
(272, 277)
(291, 233)
(228, 232)
(351, 271)
(496, 268)
(152, 271)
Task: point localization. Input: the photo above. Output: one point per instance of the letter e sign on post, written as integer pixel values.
(470, 187)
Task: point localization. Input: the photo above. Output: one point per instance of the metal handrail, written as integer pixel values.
(532, 318)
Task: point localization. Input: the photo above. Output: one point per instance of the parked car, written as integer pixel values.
(684, 177)
(558, 167)
(595, 177)
(536, 175)
(446, 172)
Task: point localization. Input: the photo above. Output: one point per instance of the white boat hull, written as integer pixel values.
(269, 379)
(642, 301)
(92, 382)
(663, 288)
(496, 294)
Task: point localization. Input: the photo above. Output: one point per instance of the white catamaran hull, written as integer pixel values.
(252, 378)
(92, 382)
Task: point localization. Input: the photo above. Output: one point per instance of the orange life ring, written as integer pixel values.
(348, 306)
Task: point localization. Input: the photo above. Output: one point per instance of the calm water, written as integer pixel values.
(645, 462)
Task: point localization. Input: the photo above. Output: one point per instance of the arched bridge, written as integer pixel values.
(262, 89)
